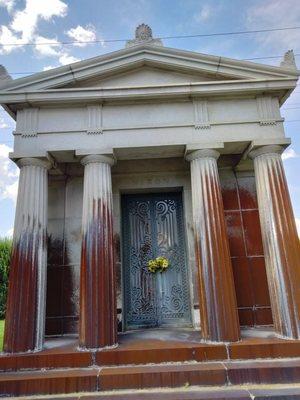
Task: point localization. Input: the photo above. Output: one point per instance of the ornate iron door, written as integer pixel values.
(153, 226)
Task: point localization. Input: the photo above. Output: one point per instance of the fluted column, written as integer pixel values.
(97, 280)
(280, 240)
(25, 314)
(217, 301)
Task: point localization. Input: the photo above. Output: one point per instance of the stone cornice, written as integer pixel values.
(232, 88)
(143, 54)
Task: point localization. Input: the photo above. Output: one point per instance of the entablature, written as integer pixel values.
(280, 88)
(203, 116)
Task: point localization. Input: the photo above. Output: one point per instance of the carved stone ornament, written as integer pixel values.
(143, 34)
(289, 60)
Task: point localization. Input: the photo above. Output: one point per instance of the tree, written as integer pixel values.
(5, 250)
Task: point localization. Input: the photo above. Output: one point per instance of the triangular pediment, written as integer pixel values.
(145, 76)
(147, 65)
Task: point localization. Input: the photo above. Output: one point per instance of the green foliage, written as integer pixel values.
(5, 250)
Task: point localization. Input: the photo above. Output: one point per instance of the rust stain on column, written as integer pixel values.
(280, 240)
(217, 302)
(97, 279)
(25, 315)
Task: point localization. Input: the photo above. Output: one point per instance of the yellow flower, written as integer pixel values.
(158, 264)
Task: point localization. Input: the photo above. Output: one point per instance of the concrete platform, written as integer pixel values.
(152, 359)
(153, 346)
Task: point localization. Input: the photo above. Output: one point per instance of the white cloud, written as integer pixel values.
(67, 59)
(9, 4)
(48, 67)
(47, 50)
(8, 37)
(289, 153)
(3, 124)
(53, 50)
(26, 21)
(11, 191)
(275, 14)
(82, 34)
(24, 28)
(204, 14)
(6, 122)
(8, 175)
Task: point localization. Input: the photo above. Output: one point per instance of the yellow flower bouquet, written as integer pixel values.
(159, 264)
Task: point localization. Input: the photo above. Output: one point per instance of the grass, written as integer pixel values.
(1, 333)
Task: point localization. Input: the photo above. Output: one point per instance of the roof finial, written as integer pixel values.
(4, 76)
(143, 32)
(288, 60)
(143, 35)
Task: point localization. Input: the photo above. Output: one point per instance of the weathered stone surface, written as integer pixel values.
(217, 301)
(280, 240)
(97, 324)
(25, 315)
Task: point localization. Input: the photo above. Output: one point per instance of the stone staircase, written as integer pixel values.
(145, 376)
(184, 368)
(250, 392)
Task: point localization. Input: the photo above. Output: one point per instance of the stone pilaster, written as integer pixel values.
(97, 327)
(280, 240)
(25, 315)
(217, 301)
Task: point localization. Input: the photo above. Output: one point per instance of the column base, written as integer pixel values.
(111, 347)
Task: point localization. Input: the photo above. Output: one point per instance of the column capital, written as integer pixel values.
(97, 158)
(203, 153)
(34, 162)
(269, 149)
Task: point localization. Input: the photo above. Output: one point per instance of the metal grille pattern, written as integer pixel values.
(153, 226)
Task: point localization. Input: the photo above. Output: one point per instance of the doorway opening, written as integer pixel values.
(153, 226)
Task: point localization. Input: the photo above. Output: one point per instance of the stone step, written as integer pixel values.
(261, 392)
(149, 352)
(49, 381)
(93, 379)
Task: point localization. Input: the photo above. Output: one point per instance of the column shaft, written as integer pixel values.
(217, 302)
(280, 240)
(97, 281)
(25, 314)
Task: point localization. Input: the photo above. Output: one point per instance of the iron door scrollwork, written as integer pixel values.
(153, 226)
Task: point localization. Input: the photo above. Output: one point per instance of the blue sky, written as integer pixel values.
(36, 21)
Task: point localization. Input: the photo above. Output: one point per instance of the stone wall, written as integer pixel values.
(247, 257)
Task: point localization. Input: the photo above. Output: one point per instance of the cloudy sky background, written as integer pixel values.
(38, 21)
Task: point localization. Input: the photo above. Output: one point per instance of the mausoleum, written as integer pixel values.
(141, 153)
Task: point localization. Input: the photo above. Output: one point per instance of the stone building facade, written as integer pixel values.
(144, 152)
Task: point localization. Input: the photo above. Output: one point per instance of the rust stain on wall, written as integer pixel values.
(22, 304)
(97, 282)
